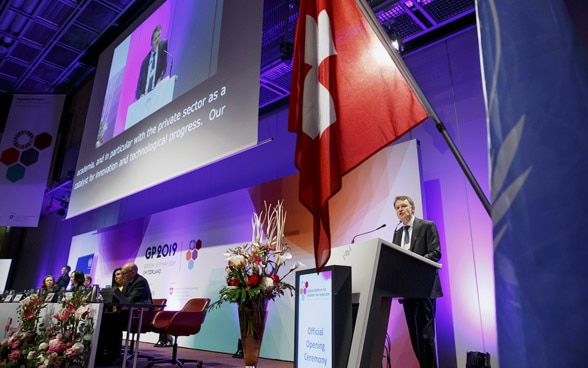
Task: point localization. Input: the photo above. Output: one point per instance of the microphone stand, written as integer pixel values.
(367, 232)
(171, 65)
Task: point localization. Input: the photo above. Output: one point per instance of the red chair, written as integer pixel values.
(185, 322)
(146, 325)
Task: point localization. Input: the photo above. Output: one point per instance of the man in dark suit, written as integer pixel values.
(419, 236)
(136, 288)
(63, 280)
(154, 65)
(114, 322)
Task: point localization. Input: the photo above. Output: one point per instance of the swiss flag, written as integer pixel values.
(348, 100)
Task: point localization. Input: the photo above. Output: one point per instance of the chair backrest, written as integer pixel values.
(159, 302)
(196, 305)
(188, 320)
(148, 316)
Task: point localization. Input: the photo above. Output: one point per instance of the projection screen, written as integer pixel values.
(177, 90)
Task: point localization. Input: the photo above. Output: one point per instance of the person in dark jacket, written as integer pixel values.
(136, 288)
(419, 236)
(63, 280)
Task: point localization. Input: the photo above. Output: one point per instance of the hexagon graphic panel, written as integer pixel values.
(15, 173)
(43, 140)
(9, 156)
(29, 157)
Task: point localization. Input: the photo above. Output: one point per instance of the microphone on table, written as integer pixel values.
(367, 232)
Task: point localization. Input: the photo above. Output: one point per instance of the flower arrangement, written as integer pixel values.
(253, 268)
(64, 342)
(29, 311)
(253, 278)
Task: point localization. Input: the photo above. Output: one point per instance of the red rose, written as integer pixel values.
(275, 278)
(233, 282)
(253, 280)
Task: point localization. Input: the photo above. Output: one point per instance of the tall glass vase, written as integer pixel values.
(252, 316)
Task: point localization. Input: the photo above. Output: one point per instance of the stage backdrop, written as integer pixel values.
(166, 245)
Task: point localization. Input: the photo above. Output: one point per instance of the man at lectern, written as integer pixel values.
(153, 66)
(419, 236)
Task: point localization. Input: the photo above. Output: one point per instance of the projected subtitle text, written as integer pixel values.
(172, 128)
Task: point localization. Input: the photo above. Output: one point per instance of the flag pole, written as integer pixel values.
(377, 27)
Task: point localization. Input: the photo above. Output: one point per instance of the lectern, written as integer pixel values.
(380, 271)
(161, 95)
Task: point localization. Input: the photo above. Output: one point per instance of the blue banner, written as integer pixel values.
(536, 85)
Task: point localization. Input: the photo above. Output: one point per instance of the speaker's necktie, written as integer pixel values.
(150, 83)
(406, 235)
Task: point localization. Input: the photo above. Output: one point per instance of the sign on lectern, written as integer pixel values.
(323, 317)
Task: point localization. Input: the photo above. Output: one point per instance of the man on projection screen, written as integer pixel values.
(154, 64)
(419, 236)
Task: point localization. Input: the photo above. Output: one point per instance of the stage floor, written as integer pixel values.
(210, 359)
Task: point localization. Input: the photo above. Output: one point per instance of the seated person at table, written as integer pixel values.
(87, 281)
(136, 288)
(48, 285)
(77, 280)
(63, 280)
(117, 279)
(117, 283)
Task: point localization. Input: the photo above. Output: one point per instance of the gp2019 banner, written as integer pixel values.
(26, 151)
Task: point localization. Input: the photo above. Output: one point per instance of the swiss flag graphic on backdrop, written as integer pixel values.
(348, 101)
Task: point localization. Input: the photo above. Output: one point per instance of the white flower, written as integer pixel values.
(26, 301)
(81, 310)
(43, 346)
(266, 283)
(297, 265)
(282, 258)
(256, 233)
(77, 347)
(31, 355)
(237, 260)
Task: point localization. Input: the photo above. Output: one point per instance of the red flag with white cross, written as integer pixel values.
(348, 100)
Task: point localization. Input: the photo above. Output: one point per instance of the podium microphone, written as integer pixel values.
(171, 65)
(367, 232)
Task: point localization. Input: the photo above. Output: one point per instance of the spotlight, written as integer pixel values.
(396, 42)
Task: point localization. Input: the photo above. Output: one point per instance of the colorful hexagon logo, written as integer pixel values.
(25, 151)
(192, 252)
